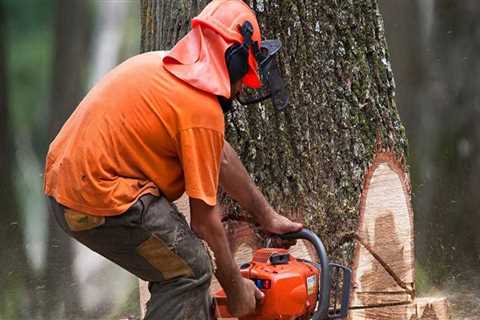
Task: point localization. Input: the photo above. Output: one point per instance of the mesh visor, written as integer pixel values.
(273, 85)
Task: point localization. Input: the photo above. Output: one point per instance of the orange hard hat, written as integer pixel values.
(199, 58)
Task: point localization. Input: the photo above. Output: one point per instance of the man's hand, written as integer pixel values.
(242, 294)
(278, 224)
(245, 299)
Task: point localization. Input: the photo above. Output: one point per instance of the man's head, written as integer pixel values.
(224, 52)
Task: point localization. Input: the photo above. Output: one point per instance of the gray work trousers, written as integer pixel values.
(153, 241)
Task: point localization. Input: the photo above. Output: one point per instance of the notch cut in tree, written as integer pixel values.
(335, 159)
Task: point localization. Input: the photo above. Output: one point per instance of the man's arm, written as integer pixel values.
(242, 293)
(235, 180)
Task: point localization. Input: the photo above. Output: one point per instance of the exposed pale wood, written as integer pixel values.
(399, 312)
(384, 256)
(428, 308)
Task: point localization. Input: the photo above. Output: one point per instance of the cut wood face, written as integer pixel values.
(402, 312)
(429, 308)
(384, 255)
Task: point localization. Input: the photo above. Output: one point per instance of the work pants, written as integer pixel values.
(153, 241)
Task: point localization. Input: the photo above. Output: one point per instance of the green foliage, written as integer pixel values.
(30, 34)
(29, 54)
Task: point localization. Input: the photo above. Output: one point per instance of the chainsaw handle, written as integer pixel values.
(324, 290)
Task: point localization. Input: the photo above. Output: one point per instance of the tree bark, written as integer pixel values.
(335, 159)
(165, 22)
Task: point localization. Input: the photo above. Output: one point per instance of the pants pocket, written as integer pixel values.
(78, 221)
(159, 255)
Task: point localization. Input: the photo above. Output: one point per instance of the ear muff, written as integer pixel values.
(273, 86)
(237, 55)
(237, 62)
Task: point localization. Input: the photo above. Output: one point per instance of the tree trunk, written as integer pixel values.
(109, 29)
(444, 142)
(335, 159)
(72, 19)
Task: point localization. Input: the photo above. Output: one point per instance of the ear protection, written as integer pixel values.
(237, 55)
(273, 87)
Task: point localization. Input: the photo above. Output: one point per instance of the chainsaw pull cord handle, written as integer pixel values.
(324, 290)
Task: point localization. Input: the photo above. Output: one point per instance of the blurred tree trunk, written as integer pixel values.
(109, 31)
(413, 74)
(108, 40)
(437, 71)
(335, 159)
(456, 157)
(16, 294)
(69, 74)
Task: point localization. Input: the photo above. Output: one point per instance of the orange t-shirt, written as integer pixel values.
(139, 130)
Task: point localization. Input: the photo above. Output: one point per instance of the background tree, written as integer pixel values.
(16, 298)
(433, 54)
(70, 57)
(36, 286)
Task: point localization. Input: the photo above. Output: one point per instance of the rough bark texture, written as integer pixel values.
(165, 22)
(315, 161)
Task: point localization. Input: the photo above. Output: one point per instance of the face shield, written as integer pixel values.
(273, 87)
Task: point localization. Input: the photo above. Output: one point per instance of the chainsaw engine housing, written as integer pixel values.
(290, 285)
(295, 289)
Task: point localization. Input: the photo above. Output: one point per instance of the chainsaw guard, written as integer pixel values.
(340, 291)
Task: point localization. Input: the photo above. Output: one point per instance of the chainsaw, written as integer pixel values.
(294, 288)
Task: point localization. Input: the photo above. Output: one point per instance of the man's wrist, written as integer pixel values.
(263, 214)
(259, 206)
(232, 282)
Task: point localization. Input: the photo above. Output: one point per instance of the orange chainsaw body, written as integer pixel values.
(290, 286)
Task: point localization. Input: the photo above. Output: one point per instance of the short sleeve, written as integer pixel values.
(200, 151)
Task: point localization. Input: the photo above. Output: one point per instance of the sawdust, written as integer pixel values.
(463, 295)
(464, 302)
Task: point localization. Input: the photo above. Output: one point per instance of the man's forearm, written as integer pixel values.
(236, 181)
(207, 224)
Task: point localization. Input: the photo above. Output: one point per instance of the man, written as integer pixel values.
(150, 130)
